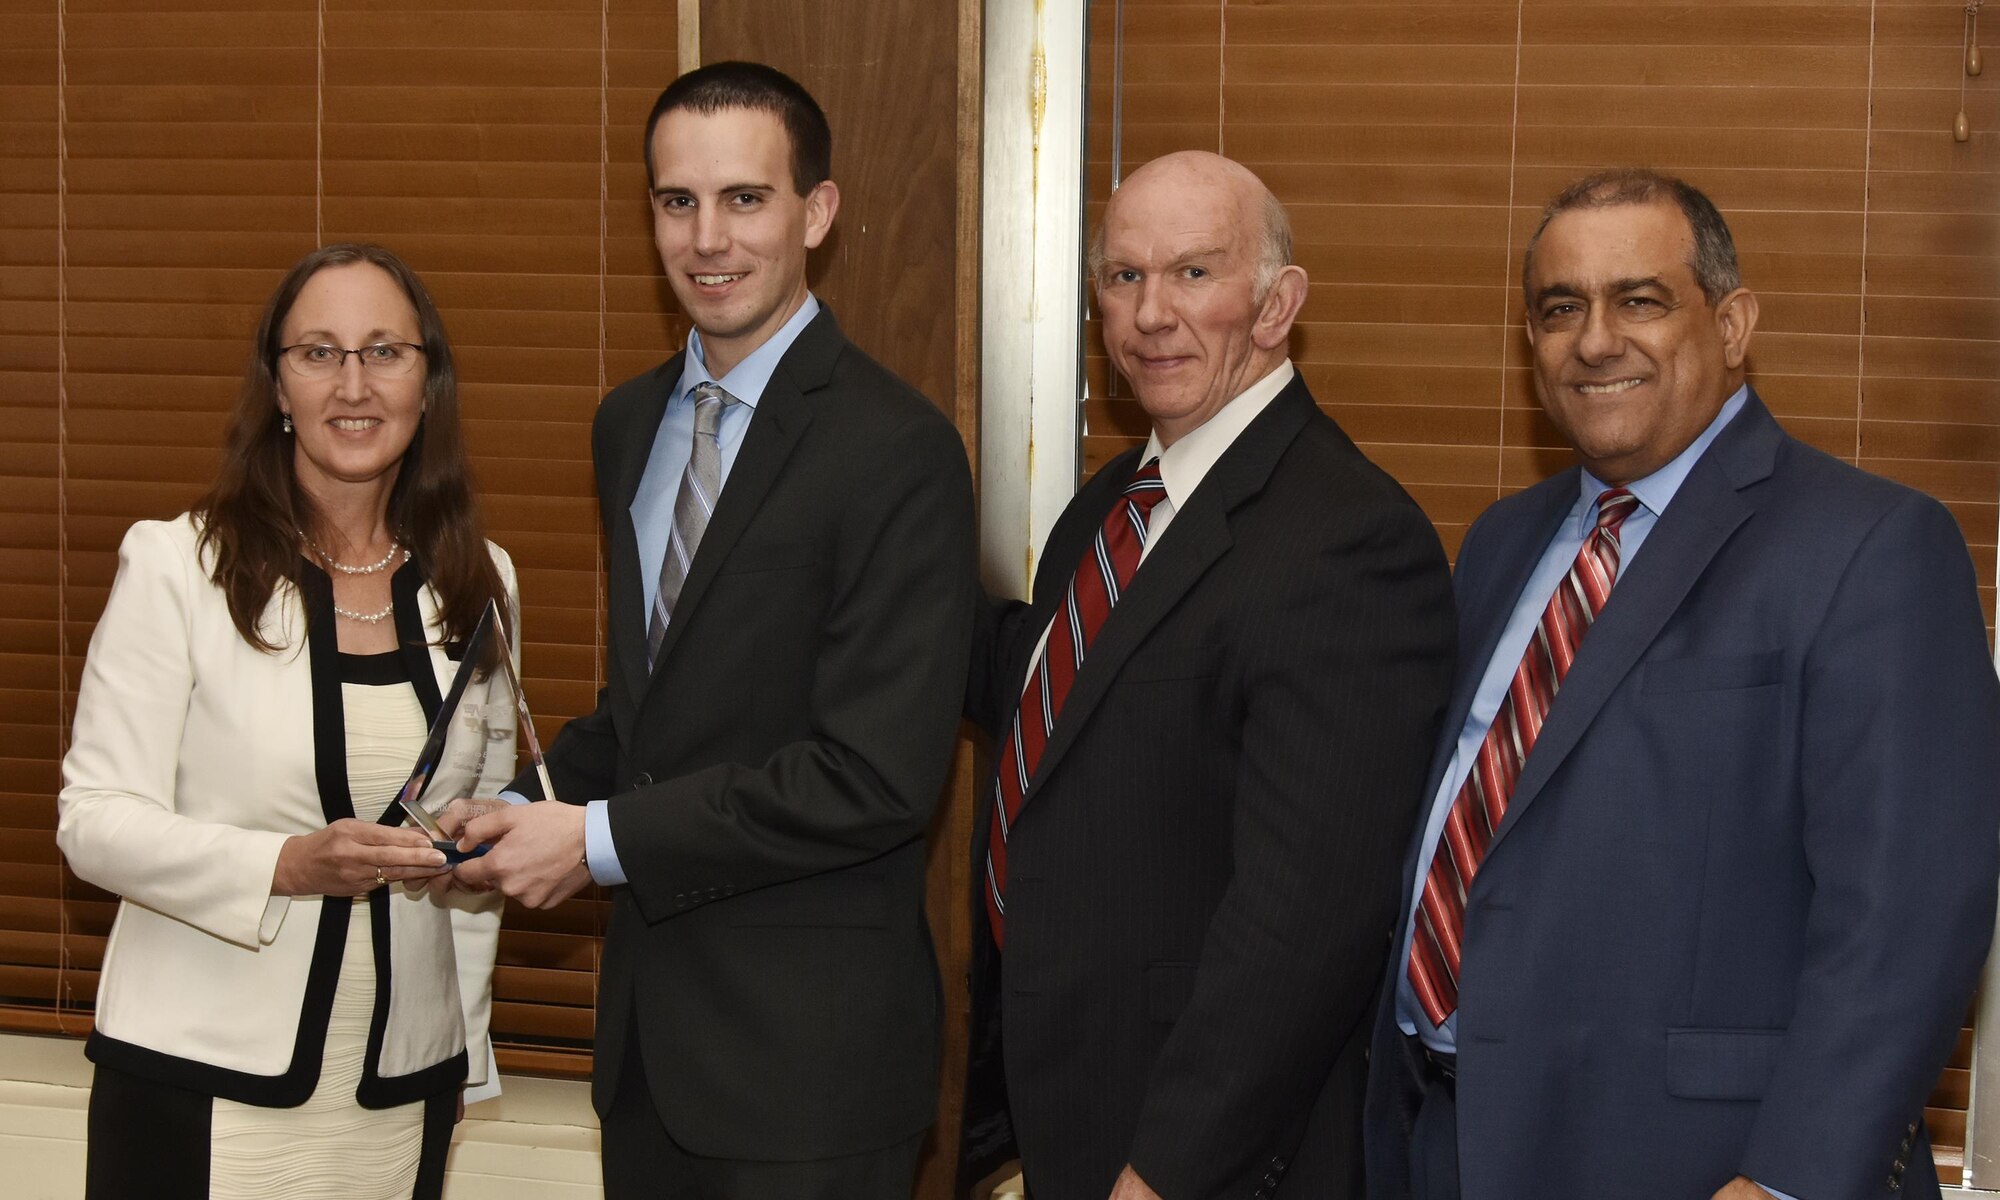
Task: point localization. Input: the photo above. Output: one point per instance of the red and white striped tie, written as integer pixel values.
(1435, 943)
(1106, 569)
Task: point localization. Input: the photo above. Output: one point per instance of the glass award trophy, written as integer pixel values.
(469, 754)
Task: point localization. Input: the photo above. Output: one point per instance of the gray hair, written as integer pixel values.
(1274, 246)
(1274, 249)
(1714, 258)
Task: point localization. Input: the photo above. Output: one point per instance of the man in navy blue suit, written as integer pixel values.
(1708, 860)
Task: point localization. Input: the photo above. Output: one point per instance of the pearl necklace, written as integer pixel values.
(343, 568)
(374, 618)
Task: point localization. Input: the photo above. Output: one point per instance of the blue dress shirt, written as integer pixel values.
(653, 503)
(1655, 492)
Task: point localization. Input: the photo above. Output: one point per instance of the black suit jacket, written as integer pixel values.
(1202, 878)
(770, 781)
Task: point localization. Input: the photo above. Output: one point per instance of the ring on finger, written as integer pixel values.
(380, 877)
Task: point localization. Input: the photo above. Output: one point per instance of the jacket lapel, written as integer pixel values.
(626, 594)
(1702, 517)
(781, 417)
(1198, 536)
(416, 615)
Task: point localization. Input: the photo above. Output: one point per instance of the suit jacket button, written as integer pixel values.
(1895, 1184)
(1897, 1166)
(729, 889)
(644, 779)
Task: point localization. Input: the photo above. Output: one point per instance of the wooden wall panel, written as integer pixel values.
(1415, 144)
(888, 270)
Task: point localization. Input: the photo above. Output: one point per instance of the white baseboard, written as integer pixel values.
(536, 1141)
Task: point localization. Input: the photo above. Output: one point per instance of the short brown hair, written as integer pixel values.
(754, 86)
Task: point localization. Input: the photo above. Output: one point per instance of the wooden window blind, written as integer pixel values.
(163, 163)
(31, 666)
(1415, 144)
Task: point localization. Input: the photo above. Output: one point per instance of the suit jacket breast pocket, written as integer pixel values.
(773, 597)
(1710, 725)
(1168, 664)
(757, 558)
(1729, 672)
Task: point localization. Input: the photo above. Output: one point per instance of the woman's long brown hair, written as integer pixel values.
(252, 516)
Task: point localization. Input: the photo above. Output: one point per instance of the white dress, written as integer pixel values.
(330, 1148)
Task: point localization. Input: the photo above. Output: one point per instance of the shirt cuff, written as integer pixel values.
(515, 798)
(1776, 1195)
(599, 852)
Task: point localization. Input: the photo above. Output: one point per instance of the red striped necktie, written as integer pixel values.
(1436, 941)
(1107, 568)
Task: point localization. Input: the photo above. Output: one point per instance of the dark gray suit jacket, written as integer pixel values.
(1202, 878)
(1735, 911)
(771, 779)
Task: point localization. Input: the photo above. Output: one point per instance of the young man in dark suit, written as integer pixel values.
(1212, 721)
(791, 541)
(1708, 864)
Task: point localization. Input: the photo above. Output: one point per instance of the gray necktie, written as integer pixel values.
(700, 484)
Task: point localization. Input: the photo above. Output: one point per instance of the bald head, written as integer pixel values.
(1198, 168)
(1196, 286)
(1189, 172)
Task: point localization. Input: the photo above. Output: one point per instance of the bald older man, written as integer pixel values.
(1211, 725)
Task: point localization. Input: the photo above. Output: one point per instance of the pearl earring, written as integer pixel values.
(287, 418)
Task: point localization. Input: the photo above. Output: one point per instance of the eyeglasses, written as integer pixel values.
(388, 360)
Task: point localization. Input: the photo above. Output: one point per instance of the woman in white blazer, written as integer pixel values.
(275, 1016)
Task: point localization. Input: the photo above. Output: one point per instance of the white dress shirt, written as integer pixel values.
(1186, 463)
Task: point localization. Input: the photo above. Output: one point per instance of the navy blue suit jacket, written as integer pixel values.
(1735, 912)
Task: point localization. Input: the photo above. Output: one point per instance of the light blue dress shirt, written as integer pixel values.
(653, 503)
(1655, 492)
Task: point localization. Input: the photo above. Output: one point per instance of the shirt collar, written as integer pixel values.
(748, 379)
(1657, 490)
(1184, 464)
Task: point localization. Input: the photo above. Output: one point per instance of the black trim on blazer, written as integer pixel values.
(376, 1090)
(289, 1090)
(404, 588)
(296, 1085)
(411, 644)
